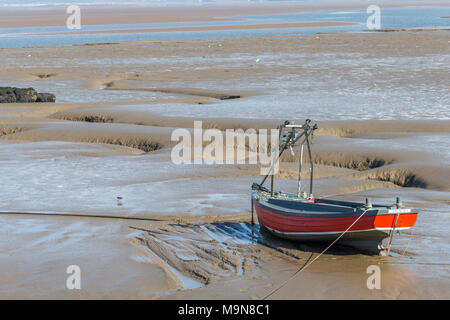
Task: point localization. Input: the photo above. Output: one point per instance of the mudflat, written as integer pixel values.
(89, 180)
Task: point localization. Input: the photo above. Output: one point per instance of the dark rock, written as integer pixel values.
(45, 97)
(24, 95)
(7, 95)
(228, 97)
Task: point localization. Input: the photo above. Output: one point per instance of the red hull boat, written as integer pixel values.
(300, 217)
(325, 220)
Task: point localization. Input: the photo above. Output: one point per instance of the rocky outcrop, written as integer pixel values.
(7, 95)
(45, 97)
(24, 95)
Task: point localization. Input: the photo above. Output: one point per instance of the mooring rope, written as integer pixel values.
(409, 241)
(62, 214)
(317, 257)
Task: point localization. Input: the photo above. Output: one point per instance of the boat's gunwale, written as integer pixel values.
(263, 200)
(332, 220)
(303, 213)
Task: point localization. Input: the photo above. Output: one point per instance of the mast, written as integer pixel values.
(290, 137)
(311, 175)
(300, 164)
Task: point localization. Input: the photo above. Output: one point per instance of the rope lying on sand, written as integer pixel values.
(317, 257)
(61, 214)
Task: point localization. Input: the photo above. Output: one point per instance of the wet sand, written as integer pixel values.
(184, 231)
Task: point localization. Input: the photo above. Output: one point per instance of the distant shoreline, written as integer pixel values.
(41, 16)
(210, 28)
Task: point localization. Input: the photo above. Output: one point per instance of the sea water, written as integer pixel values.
(391, 18)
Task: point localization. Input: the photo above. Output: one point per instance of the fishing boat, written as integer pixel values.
(302, 217)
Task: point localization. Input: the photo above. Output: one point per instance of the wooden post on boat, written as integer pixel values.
(272, 169)
(251, 203)
(271, 185)
(300, 164)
